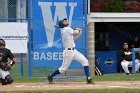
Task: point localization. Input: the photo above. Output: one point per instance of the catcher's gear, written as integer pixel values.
(5, 66)
(12, 63)
(8, 80)
(2, 42)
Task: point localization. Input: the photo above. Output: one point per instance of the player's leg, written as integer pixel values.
(81, 58)
(137, 65)
(8, 80)
(125, 66)
(68, 57)
(5, 77)
(62, 69)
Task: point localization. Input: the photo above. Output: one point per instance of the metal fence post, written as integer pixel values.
(21, 64)
(29, 42)
(133, 61)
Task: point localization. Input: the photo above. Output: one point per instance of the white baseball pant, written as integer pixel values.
(68, 56)
(125, 65)
(3, 73)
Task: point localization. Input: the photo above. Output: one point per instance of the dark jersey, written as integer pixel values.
(5, 54)
(126, 54)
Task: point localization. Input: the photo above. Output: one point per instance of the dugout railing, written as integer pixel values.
(134, 50)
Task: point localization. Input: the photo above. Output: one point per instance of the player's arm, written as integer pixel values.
(13, 61)
(122, 56)
(78, 33)
(11, 56)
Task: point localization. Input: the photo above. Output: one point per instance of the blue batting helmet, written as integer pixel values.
(61, 25)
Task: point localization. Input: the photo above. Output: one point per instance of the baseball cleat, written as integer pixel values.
(2, 81)
(89, 81)
(50, 79)
(127, 73)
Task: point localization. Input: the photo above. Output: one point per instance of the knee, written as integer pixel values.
(123, 64)
(137, 61)
(85, 63)
(138, 64)
(9, 79)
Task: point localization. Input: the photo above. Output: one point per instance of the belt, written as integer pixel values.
(71, 48)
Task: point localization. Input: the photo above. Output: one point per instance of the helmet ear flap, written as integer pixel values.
(2, 42)
(61, 25)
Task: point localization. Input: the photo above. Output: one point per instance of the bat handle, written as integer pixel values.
(57, 26)
(80, 29)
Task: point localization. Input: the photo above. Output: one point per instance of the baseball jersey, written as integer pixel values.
(5, 54)
(67, 37)
(126, 54)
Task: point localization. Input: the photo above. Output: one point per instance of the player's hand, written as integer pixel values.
(79, 29)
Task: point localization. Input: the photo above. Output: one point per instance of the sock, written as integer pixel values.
(86, 69)
(56, 72)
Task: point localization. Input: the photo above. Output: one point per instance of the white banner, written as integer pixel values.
(15, 35)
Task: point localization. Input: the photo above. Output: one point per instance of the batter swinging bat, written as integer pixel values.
(57, 26)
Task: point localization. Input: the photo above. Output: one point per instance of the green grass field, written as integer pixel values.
(106, 77)
(43, 72)
(82, 91)
(36, 71)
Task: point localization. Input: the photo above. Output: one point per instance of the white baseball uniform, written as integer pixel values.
(70, 53)
(125, 65)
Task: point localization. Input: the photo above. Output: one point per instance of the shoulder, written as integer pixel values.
(6, 49)
(68, 29)
(123, 50)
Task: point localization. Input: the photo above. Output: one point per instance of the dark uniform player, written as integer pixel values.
(5, 77)
(126, 59)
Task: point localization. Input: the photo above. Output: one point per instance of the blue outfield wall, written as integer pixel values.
(46, 43)
(108, 61)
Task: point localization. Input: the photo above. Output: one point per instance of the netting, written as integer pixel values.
(15, 11)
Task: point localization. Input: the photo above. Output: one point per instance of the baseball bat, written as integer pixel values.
(57, 26)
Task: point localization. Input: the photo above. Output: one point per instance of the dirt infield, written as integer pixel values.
(71, 85)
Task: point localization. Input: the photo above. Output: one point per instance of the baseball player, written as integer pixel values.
(126, 57)
(5, 77)
(70, 53)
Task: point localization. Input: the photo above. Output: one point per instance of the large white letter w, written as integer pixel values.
(60, 13)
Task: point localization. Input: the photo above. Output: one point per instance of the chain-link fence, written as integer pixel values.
(15, 11)
(46, 42)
